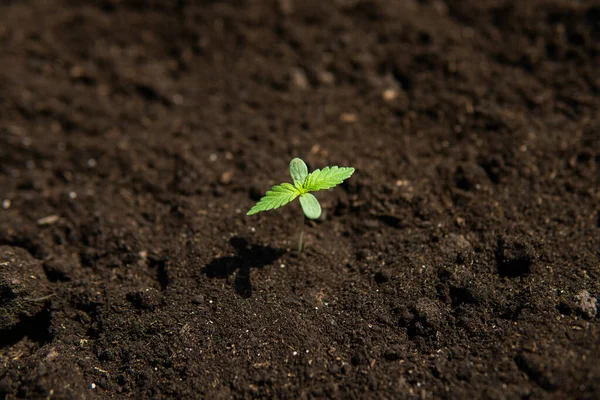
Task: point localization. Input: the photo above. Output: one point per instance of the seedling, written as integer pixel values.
(285, 193)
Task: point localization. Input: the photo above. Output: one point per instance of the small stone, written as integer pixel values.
(198, 299)
(371, 223)
(49, 220)
(348, 118)
(299, 78)
(226, 177)
(42, 369)
(77, 71)
(6, 203)
(326, 78)
(390, 94)
(586, 304)
(346, 368)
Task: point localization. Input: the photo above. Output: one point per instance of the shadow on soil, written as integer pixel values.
(247, 257)
(36, 328)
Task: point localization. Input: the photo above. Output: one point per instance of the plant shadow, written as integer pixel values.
(247, 257)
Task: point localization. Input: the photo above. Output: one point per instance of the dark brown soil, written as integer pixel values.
(462, 260)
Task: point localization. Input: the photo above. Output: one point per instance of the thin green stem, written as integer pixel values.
(300, 244)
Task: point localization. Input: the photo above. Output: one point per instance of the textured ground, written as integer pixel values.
(461, 260)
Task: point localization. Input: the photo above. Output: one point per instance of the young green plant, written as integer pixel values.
(303, 183)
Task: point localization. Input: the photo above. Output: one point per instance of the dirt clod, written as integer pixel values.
(515, 256)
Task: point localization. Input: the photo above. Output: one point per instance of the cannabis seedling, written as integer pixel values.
(282, 194)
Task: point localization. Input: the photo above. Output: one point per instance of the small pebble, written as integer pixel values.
(226, 177)
(49, 220)
(326, 78)
(389, 94)
(299, 78)
(586, 304)
(77, 71)
(6, 203)
(348, 118)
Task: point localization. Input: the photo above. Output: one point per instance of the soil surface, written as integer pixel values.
(462, 259)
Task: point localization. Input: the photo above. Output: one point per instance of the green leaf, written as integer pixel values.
(278, 196)
(298, 170)
(310, 206)
(326, 178)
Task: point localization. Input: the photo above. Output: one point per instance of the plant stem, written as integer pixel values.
(301, 234)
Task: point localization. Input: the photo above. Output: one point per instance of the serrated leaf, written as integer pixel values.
(278, 196)
(298, 170)
(310, 206)
(326, 178)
